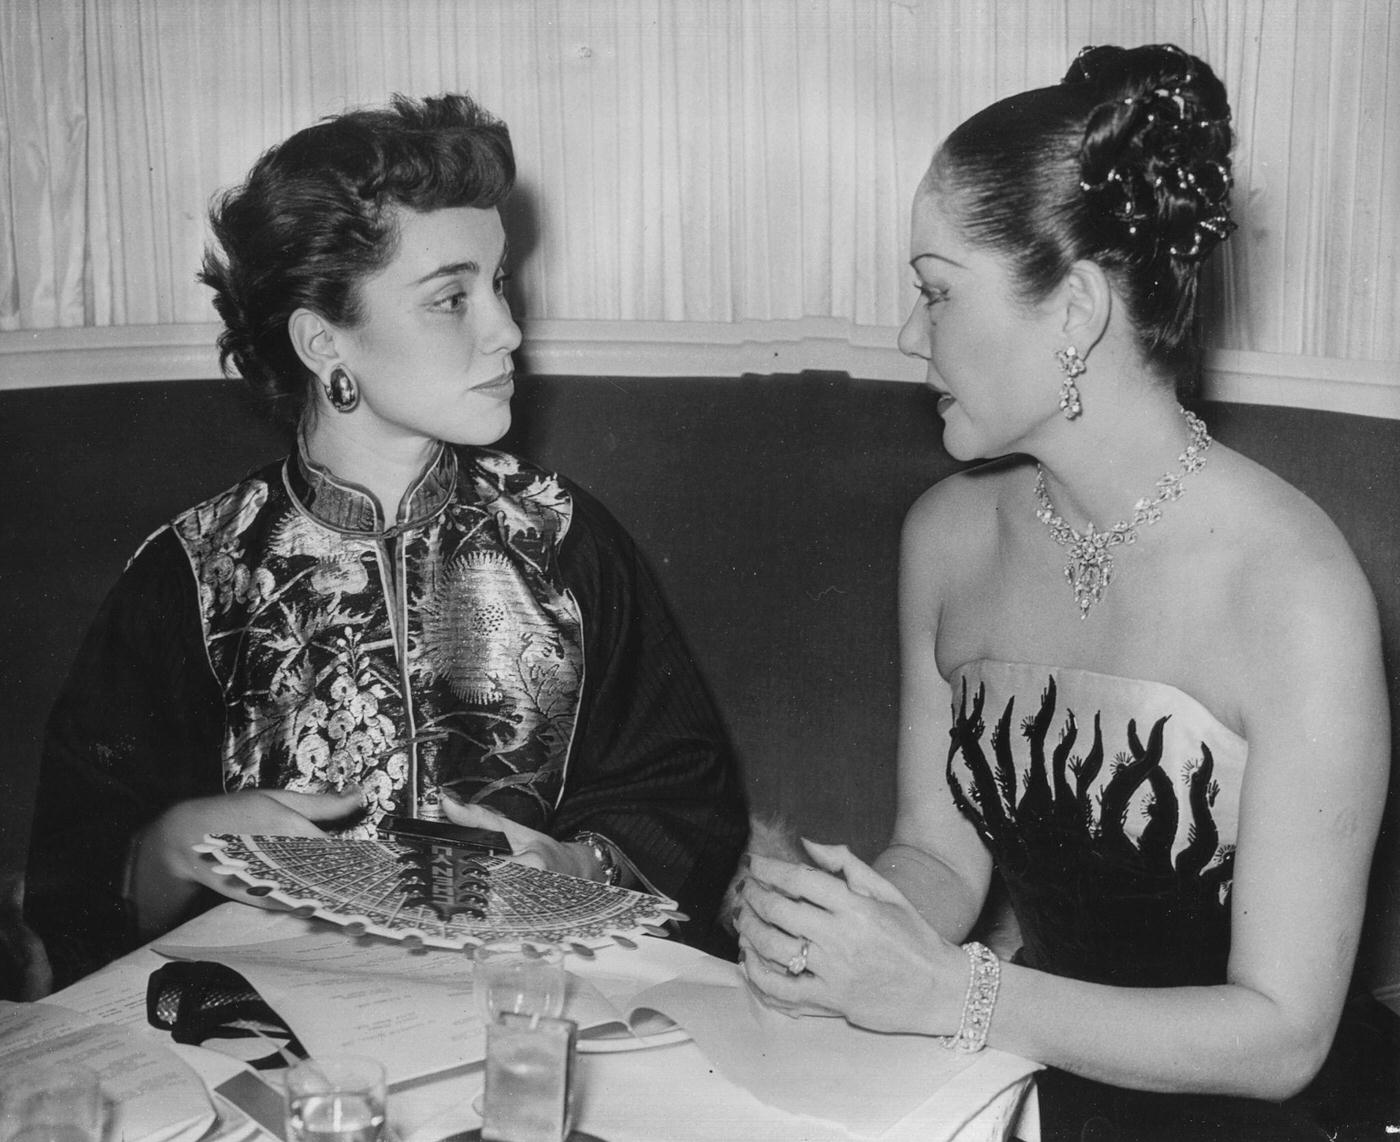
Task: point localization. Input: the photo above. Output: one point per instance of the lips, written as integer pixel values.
(502, 385)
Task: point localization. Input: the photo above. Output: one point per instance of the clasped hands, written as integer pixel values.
(838, 939)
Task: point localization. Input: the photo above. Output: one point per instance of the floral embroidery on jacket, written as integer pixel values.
(444, 653)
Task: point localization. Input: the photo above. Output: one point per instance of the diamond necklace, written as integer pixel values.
(1090, 566)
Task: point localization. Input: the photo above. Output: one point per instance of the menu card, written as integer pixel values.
(155, 1095)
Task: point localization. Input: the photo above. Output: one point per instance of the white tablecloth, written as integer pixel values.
(671, 1092)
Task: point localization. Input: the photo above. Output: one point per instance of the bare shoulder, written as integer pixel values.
(954, 536)
(965, 505)
(1291, 583)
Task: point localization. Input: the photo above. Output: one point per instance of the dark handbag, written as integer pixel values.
(201, 1000)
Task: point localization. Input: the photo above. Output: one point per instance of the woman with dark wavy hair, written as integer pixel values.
(1142, 677)
(395, 618)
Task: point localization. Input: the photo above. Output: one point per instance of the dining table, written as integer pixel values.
(721, 1066)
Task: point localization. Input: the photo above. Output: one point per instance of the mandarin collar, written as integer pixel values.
(348, 507)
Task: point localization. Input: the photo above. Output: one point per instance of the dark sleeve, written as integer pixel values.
(651, 767)
(135, 729)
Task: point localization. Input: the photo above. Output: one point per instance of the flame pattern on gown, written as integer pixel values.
(1111, 810)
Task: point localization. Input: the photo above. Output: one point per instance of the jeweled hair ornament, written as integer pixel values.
(1129, 197)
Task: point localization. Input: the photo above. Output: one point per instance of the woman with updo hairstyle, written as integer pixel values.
(1142, 686)
(395, 619)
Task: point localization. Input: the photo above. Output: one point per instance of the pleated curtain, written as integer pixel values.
(681, 160)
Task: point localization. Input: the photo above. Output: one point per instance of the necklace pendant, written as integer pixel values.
(1089, 571)
(1090, 566)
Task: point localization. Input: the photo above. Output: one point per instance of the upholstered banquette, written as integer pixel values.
(770, 508)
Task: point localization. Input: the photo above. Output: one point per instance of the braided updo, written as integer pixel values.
(317, 215)
(1126, 162)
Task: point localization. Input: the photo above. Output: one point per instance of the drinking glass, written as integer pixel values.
(519, 978)
(529, 1079)
(51, 1102)
(515, 978)
(335, 1098)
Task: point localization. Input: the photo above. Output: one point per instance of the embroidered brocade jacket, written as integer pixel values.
(441, 651)
(503, 639)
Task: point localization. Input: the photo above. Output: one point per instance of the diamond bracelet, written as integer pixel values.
(984, 978)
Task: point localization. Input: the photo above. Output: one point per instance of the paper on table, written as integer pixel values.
(411, 1009)
(116, 995)
(824, 1068)
(157, 1096)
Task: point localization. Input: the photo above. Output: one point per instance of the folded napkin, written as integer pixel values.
(824, 1068)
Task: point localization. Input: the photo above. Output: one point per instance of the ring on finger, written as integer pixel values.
(798, 964)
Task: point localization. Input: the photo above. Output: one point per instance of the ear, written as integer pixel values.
(1085, 299)
(314, 340)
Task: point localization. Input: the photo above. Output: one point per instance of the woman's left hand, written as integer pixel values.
(839, 939)
(528, 846)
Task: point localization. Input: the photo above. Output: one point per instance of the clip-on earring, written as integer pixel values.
(342, 391)
(1072, 365)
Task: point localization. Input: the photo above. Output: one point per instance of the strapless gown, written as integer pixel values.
(1111, 807)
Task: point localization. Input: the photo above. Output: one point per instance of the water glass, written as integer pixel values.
(529, 1079)
(336, 1098)
(518, 978)
(51, 1102)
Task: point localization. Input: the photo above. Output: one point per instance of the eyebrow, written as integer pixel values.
(452, 269)
(914, 261)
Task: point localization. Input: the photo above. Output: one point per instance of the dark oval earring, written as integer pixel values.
(342, 391)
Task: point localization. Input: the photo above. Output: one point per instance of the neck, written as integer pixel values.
(383, 466)
(1101, 464)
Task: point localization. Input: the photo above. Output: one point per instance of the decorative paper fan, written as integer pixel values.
(432, 894)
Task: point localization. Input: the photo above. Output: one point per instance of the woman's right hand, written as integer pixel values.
(840, 939)
(166, 872)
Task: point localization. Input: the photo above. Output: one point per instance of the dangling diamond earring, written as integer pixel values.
(342, 391)
(1072, 365)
